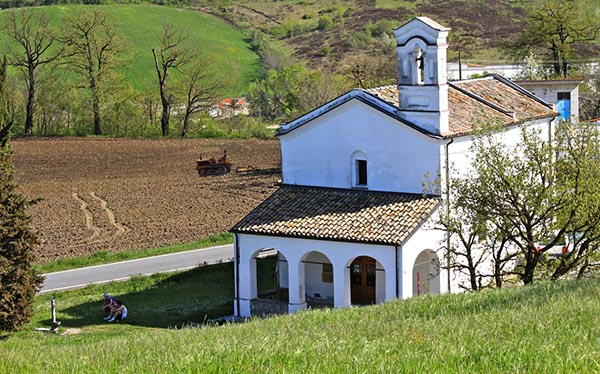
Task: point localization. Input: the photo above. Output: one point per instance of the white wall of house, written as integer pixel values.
(548, 90)
(321, 152)
(461, 157)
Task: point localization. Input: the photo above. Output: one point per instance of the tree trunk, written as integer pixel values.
(186, 123)
(30, 104)
(166, 105)
(528, 273)
(96, 108)
(166, 109)
(472, 271)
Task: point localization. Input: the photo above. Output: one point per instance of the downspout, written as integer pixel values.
(236, 244)
(397, 273)
(447, 146)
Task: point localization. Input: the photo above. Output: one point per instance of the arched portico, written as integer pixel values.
(426, 273)
(314, 273)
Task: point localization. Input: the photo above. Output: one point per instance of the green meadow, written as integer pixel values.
(139, 28)
(543, 328)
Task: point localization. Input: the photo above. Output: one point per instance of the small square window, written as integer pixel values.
(563, 96)
(361, 172)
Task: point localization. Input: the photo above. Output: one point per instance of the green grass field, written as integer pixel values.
(544, 328)
(139, 26)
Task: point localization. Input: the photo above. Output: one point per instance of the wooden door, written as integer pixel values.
(362, 280)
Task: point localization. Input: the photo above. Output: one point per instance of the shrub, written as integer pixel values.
(325, 22)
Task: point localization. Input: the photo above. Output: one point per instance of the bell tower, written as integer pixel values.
(422, 81)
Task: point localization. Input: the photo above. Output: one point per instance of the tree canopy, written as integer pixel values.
(18, 280)
(554, 29)
(520, 204)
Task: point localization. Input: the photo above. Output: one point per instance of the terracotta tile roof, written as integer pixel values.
(478, 101)
(338, 214)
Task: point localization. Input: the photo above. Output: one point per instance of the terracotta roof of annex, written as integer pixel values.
(338, 214)
(477, 101)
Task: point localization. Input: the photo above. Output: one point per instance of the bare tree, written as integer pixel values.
(201, 91)
(34, 38)
(91, 49)
(171, 55)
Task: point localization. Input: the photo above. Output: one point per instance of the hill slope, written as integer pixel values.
(140, 26)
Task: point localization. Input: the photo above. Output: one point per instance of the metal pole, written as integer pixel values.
(53, 311)
(459, 67)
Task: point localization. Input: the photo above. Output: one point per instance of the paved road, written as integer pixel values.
(76, 278)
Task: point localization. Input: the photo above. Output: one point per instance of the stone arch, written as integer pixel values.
(426, 273)
(269, 282)
(318, 279)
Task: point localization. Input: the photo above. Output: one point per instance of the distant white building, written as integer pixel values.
(350, 223)
(562, 93)
(458, 71)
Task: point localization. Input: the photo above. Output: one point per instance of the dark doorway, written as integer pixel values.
(362, 280)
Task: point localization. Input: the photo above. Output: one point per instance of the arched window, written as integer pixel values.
(359, 170)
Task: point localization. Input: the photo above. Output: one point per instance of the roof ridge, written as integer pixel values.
(359, 190)
(380, 87)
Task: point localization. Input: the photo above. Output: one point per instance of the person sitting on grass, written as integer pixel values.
(107, 303)
(118, 312)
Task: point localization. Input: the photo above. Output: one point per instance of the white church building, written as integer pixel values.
(350, 223)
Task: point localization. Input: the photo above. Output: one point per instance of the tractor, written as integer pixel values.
(213, 166)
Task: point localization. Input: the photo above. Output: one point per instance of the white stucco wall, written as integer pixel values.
(460, 155)
(319, 153)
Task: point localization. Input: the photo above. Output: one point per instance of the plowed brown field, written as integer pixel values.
(122, 194)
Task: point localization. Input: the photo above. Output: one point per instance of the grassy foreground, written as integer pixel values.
(104, 257)
(544, 328)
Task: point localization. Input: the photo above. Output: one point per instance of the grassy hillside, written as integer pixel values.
(140, 25)
(544, 328)
(364, 27)
(339, 34)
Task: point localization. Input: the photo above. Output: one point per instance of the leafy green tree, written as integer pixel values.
(292, 91)
(553, 28)
(18, 280)
(273, 96)
(537, 194)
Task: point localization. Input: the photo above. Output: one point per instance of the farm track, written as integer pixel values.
(99, 234)
(124, 194)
